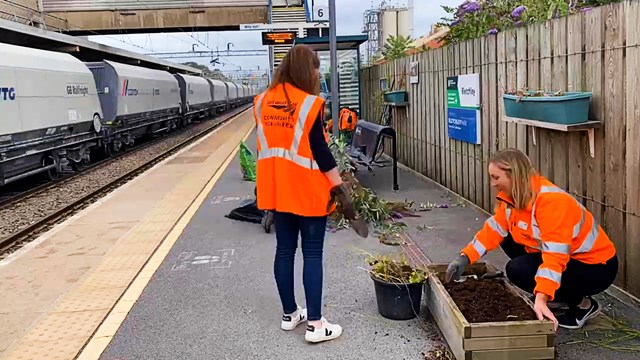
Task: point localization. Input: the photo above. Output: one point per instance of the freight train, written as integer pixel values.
(55, 110)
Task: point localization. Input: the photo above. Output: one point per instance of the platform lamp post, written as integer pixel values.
(333, 52)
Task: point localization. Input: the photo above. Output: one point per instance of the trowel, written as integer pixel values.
(490, 275)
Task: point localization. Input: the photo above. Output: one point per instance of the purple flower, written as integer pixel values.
(586, 9)
(471, 7)
(455, 22)
(492, 32)
(517, 12)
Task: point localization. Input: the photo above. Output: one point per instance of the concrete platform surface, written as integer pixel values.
(214, 296)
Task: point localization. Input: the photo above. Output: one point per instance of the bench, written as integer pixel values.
(367, 139)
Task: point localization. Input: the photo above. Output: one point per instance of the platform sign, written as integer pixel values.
(317, 10)
(278, 38)
(463, 108)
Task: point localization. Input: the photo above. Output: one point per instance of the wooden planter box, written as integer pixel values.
(513, 340)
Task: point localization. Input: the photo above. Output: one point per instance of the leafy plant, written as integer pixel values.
(474, 19)
(390, 233)
(392, 270)
(369, 205)
(396, 46)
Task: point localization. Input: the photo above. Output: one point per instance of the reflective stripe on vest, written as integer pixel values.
(479, 247)
(549, 274)
(288, 154)
(561, 248)
(493, 224)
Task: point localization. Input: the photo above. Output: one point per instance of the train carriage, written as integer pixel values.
(136, 101)
(219, 95)
(49, 112)
(196, 97)
(233, 94)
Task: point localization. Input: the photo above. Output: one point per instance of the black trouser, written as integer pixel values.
(578, 279)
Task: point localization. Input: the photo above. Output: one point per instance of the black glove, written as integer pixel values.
(456, 268)
(345, 204)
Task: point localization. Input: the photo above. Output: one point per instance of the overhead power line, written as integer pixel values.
(215, 53)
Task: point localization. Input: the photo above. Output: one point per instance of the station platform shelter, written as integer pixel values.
(156, 270)
(349, 83)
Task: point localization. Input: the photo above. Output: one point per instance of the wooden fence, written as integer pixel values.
(596, 51)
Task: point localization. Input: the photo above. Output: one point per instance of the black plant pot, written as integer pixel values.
(398, 301)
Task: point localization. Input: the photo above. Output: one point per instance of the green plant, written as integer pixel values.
(474, 19)
(375, 210)
(378, 105)
(393, 270)
(396, 46)
(339, 150)
(389, 233)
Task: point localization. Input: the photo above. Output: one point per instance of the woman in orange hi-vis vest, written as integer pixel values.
(298, 180)
(558, 251)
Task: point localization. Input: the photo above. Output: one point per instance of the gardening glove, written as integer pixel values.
(345, 205)
(346, 208)
(456, 268)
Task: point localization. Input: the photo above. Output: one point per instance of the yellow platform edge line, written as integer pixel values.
(107, 330)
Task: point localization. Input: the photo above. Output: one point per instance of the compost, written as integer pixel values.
(488, 300)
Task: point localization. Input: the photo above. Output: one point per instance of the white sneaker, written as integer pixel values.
(291, 321)
(326, 332)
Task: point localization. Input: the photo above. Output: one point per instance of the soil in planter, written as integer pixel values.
(488, 300)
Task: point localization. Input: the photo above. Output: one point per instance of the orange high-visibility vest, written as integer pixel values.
(348, 119)
(287, 177)
(554, 223)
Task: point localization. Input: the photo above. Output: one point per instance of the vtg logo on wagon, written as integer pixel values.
(7, 93)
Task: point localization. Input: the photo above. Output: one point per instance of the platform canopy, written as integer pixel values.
(347, 42)
(349, 88)
(24, 35)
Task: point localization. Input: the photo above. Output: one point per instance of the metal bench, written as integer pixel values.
(366, 143)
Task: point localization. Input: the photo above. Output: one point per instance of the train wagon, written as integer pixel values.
(233, 94)
(246, 93)
(195, 96)
(50, 112)
(136, 101)
(219, 95)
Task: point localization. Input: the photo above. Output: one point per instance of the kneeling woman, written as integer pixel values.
(558, 251)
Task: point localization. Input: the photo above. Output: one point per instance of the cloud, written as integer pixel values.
(349, 16)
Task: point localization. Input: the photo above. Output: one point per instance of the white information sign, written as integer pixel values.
(319, 10)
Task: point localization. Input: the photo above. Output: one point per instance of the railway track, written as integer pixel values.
(34, 212)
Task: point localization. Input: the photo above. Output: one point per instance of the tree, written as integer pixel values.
(396, 46)
(204, 68)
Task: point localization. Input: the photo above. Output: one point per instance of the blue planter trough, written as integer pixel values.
(397, 97)
(571, 108)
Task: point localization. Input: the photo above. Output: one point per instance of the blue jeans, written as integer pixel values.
(312, 231)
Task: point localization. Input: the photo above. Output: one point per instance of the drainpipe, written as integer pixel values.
(410, 18)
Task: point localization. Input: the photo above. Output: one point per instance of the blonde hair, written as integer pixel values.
(519, 168)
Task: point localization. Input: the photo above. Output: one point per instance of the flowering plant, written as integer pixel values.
(477, 18)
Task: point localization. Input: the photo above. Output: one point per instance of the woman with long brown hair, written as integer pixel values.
(298, 180)
(559, 253)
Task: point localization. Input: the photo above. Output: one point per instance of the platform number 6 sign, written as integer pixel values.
(319, 10)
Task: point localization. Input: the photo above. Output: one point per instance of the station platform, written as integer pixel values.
(156, 271)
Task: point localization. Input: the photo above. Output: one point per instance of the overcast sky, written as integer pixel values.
(349, 17)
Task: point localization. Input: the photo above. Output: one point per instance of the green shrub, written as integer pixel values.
(474, 19)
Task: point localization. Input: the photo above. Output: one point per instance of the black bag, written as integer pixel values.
(248, 212)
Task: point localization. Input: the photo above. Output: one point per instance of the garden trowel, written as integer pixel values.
(490, 275)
